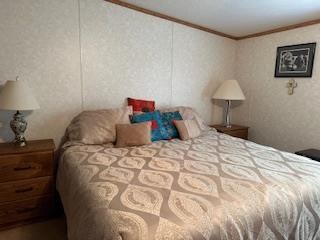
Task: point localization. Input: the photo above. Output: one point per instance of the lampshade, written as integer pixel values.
(229, 90)
(16, 95)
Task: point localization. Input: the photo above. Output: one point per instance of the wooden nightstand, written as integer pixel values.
(235, 131)
(27, 183)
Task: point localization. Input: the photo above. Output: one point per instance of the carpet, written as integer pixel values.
(54, 229)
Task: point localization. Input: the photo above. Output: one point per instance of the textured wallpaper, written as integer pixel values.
(277, 119)
(124, 54)
(89, 54)
(40, 42)
(201, 62)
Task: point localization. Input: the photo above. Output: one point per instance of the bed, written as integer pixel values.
(211, 187)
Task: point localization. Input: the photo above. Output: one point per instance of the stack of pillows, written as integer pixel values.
(138, 124)
(146, 120)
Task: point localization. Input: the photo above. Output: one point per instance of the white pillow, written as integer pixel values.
(188, 113)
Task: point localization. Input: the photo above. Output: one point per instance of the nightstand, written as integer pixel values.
(27, 183)
(235, 130)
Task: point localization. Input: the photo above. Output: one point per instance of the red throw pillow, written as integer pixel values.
(139, 105)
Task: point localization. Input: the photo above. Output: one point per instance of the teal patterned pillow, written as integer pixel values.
(159, 132)
(167, 121)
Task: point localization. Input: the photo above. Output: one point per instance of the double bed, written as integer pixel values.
(211, 187)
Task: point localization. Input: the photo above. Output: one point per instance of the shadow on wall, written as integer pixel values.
(208, 90)
(216, 106)
(223, 105)
(5, 117)
(6, 135)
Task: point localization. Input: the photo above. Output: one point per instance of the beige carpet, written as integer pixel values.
(54, 229)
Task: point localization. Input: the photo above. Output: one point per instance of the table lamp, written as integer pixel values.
(229, 90)
(17, 96)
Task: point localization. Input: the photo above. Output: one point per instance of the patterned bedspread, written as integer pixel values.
(211, 187)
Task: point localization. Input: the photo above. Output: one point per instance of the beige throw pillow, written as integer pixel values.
(99, 126)
(187, 129)
(135, 134)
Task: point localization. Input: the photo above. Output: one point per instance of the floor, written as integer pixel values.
(54, 229)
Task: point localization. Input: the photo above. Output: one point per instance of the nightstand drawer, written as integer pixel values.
(25, 189)
(27, 186)
(22, 166)
(25, 210)
(239, 134)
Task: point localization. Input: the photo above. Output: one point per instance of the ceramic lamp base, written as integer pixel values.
(19, 125)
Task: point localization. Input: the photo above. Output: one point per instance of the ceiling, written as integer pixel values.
(237, 18)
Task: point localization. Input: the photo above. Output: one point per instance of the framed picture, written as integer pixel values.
(295, 60)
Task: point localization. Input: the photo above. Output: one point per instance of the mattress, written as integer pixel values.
(211, 187)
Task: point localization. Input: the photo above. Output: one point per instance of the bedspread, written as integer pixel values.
(211, 187)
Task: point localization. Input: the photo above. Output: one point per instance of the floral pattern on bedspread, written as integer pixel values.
(211, 187)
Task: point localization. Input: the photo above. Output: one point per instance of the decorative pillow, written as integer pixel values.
(187, 129)
(135, 134)
(140, 106)
(97, 127)
(158, 130)
(167, 120)
(188, 113)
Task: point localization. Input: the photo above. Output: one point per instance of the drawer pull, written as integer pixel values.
(23, 190)
(22, 168)
(25, 210)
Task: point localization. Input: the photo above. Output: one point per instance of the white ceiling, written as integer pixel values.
(236, 17)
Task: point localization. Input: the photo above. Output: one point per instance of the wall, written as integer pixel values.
(89, 54)
(40, 43)
(132, 54)
(277, 119)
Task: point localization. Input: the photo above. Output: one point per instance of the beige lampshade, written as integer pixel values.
(229, 90)
(16, 95)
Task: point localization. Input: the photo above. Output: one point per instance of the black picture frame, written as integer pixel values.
(295, 61)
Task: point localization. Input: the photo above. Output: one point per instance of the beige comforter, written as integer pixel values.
(211, 187)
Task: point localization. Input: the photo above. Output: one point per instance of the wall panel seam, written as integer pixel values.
(80, 55)
(171, 73)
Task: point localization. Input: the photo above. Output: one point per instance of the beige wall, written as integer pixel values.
(277, 119)
(40, 42)
(99, 57)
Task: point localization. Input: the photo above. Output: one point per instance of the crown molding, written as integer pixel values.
(209, 30)
(281, 29)
(172, 19)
